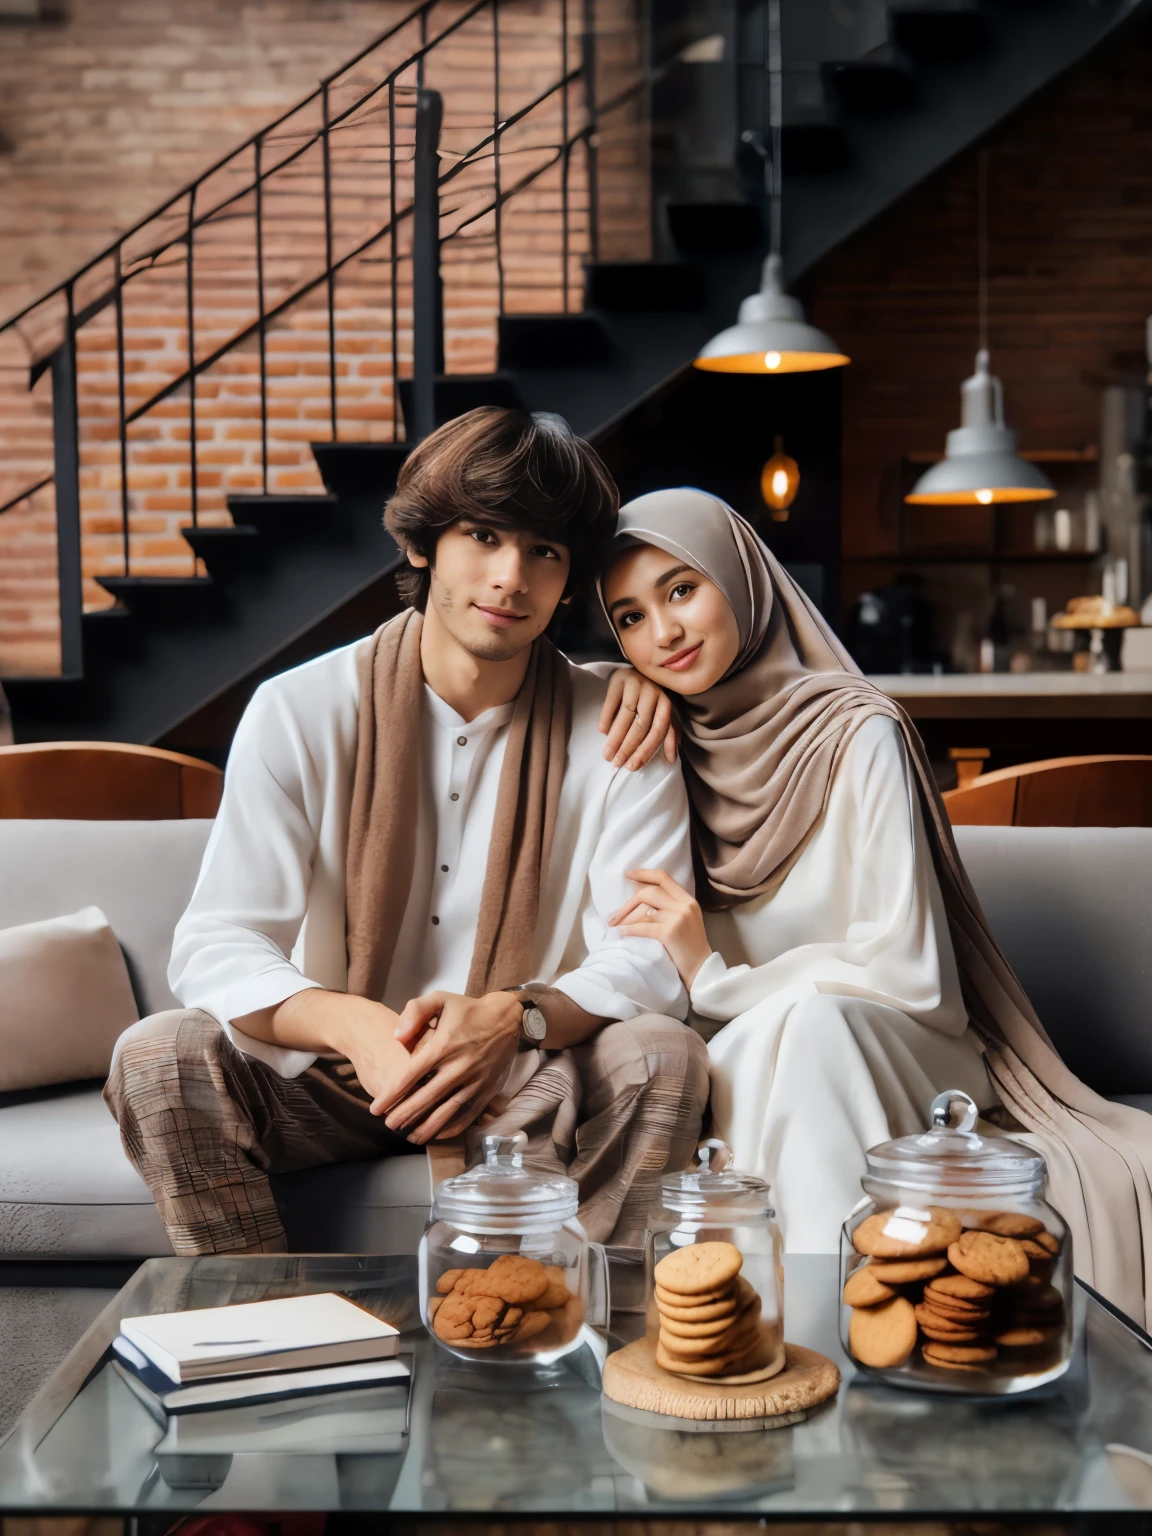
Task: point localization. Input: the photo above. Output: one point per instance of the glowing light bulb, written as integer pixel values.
(984, 497)
(771, 360)
(779, 482)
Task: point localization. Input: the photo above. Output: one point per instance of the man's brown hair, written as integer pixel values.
(509, 469)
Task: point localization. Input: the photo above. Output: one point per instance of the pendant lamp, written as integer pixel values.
(771, 334)
(980, 464)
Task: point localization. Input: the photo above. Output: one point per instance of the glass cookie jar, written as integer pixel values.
(955, 1273)
(715, 1282)
(506, 1271)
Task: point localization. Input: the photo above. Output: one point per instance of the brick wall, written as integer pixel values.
(372, 300)
(1070, 233)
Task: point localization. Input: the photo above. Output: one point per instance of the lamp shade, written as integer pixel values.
(771, 335)
(980, 464)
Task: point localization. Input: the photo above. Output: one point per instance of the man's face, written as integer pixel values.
(495, 589)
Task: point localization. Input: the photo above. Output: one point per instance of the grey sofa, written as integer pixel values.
(1072, 908)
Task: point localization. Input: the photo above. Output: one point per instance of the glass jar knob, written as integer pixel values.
(713, 1155)
(945, 1103)
(497, 1148)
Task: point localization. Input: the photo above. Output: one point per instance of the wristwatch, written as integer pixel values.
(533, 1025)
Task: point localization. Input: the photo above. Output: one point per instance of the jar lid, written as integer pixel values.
(501, 1195)
(954, 1157)
(714, 1184)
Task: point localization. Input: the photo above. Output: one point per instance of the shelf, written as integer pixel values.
(977, 557)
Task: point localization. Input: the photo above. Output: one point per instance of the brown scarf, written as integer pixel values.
(386, 793)
(760, 750)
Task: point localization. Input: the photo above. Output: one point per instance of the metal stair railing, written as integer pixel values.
(326, 195)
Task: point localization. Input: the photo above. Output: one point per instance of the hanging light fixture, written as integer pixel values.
(980, 464)
(779, 482)
(771, 334)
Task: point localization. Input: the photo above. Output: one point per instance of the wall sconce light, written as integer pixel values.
(779, 482)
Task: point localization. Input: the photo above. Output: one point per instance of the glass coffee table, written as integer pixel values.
(471, 1440)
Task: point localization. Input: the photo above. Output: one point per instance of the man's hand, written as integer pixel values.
(464, 1046)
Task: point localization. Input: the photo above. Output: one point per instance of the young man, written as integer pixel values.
(400, 924)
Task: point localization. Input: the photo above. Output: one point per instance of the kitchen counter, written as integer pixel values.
(1022, 695)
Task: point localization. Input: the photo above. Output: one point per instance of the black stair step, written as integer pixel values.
(457, 393)
(38, 702)
(814, 149)
(280, 517)
(553, 341)
(237, 551)
(715, 229)
(643, 287)
(110, 635)
(881, 81)
(939, 32)
(360, 469)
(157, 601)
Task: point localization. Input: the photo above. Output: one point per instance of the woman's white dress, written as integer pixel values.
(839, 999)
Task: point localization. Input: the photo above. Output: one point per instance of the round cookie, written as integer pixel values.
(698, 1308)
(962, 1357)
(884, 1335)
(720, 1366)
(1027, 1338)
(1048, 1241)
(1011, 1224)
(512, 1278)
(991, 1259)
(557, 1293)
(699, 1268)
(736, 1341)
(531, 1324)
(862, 1289)
(906, 1271)
(448, 1279)
(960, 1287)
(713, 1327)
(886, 1235)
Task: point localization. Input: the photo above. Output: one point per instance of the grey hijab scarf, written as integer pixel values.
(760, 749)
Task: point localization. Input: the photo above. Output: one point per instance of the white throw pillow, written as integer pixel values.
(65, 996)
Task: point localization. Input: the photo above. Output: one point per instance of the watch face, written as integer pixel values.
(533, 1023)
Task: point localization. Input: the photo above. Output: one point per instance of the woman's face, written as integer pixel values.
(676, 626)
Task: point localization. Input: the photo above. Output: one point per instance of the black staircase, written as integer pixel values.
(407, 204)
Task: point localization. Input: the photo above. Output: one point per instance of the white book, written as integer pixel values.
(163, 1397)
(373, 1421)
(287, 1334)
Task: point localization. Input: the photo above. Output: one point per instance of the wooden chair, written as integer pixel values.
(1061, 792)
(105, 781)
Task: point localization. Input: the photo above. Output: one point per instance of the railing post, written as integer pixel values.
(427, 311)
(66, 453)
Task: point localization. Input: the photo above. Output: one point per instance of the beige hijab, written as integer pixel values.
(760, 749)
(385, 791)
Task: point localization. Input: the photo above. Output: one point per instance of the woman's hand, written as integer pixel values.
(663, 910)
(636, 718)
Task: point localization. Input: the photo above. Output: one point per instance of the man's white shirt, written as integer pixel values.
(267, 917)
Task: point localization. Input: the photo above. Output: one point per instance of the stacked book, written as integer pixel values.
(231, 1379)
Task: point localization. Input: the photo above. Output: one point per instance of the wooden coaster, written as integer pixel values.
(632, 1377)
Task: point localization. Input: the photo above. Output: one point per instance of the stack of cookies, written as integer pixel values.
(967, 1287)
(710, 1315)
(511, 1301)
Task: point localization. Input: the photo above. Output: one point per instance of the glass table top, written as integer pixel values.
(473, 1440)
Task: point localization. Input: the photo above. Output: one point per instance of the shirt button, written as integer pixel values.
(453, 796)
(435, 920)
(443, 869)
(461, 741)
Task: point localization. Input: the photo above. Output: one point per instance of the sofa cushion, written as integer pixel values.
(69, 1192)
(139, 873)
(66, 998)
(1072, 909)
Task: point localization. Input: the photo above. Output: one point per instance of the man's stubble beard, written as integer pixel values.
(473, 636)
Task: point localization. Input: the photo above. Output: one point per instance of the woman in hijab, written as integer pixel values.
(843, 966)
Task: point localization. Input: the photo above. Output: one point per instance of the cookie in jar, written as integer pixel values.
(956, 1274)
(507, 1273)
